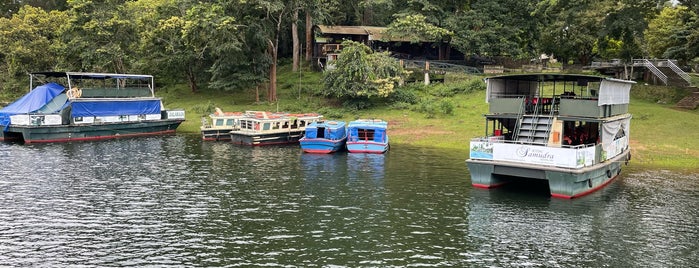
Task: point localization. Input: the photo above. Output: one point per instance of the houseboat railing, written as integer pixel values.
(520, 115)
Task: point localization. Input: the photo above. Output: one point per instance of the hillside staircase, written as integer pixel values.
(666, 70)
(690, 102)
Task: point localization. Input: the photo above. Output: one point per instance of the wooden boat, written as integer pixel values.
(78, 106)
(324, 137)
(571, 130)
(220, 126)
(367, 136)
(265, 128)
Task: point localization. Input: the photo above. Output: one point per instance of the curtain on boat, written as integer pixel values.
(614, 92)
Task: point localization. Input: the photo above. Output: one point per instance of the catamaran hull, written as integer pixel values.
(67, 133)
(563, 182)
(322, 146)
(256, 139)
(367, 147)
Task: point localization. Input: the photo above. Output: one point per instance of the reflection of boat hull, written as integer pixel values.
(563, 182)
(259, 139)
(65, 133)
(367, 147)
(216, 134)
(322, 146)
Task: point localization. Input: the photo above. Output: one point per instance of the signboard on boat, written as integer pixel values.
(532, 154)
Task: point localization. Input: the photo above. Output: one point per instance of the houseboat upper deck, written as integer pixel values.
(571, 130)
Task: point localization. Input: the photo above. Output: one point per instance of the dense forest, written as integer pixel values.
(233, 45)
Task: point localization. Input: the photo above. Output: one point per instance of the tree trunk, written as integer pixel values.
(272, 96)
(192, 80)
(295, 39)
(309, 37)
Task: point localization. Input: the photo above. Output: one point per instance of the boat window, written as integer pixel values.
(303, 123)
(219, 122)
(366, 134)
(229, 122)
(580, 132)
(245, 124)
(321, 132)
(275, 125)
(295, 124)
(266, 126)
(286, 125)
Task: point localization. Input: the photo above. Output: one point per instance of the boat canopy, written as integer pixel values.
(115, 107)
(31, 102)
(611, 91)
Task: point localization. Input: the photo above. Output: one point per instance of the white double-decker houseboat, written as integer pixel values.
(571, 130)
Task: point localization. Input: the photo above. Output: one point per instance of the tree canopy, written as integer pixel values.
(234, 45)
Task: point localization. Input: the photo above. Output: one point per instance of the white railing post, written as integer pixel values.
(654, 70)
(678, 71)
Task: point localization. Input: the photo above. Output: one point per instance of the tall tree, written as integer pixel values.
(188, 38)
(625, 21)
(665, 32)
(29, 41)
(495, 28)
(99, 36)
(569, 29)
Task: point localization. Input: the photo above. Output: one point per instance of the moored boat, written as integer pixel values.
(571, 130)
(266, 128)
(324, 137)
(367, 136)
(220, 126)
(78, 106)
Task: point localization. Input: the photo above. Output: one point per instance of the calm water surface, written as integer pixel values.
(177, 201)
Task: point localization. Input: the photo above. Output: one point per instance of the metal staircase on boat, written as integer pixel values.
(535, 127)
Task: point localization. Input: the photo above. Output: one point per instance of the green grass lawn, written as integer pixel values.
(661, 135)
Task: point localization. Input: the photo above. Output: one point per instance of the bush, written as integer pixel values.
(404, 95)
(446, 106)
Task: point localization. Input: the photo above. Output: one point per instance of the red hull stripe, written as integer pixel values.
(585, 192)
(317, 151)
(366, 151)
(488, 186)
(102, 137)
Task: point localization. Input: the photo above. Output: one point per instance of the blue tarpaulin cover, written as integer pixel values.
(30, 102)
(120, 107)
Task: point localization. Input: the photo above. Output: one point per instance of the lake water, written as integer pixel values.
(178, 201)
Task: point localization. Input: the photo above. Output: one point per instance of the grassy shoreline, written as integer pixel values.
(662, 136)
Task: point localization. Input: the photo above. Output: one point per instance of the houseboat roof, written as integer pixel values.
(372, 32)
(551, 77)
(85, 75)
(368, 123)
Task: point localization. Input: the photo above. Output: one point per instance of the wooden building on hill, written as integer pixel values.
(327, 44)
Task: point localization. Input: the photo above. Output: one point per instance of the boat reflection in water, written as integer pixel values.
(366, 166)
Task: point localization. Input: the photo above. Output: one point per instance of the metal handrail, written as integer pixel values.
(646, 63)
(679, 71)
(520, 115)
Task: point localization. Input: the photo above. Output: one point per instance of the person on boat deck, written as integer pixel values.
(567, 140)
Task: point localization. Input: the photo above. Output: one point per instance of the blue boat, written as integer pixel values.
(324, 137)
(367, 136)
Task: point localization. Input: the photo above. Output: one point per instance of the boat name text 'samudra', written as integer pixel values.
(572, 130)
(76, 106)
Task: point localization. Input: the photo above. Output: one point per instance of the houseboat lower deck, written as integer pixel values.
(577, 140)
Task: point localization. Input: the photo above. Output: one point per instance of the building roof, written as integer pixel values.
(372, 32)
